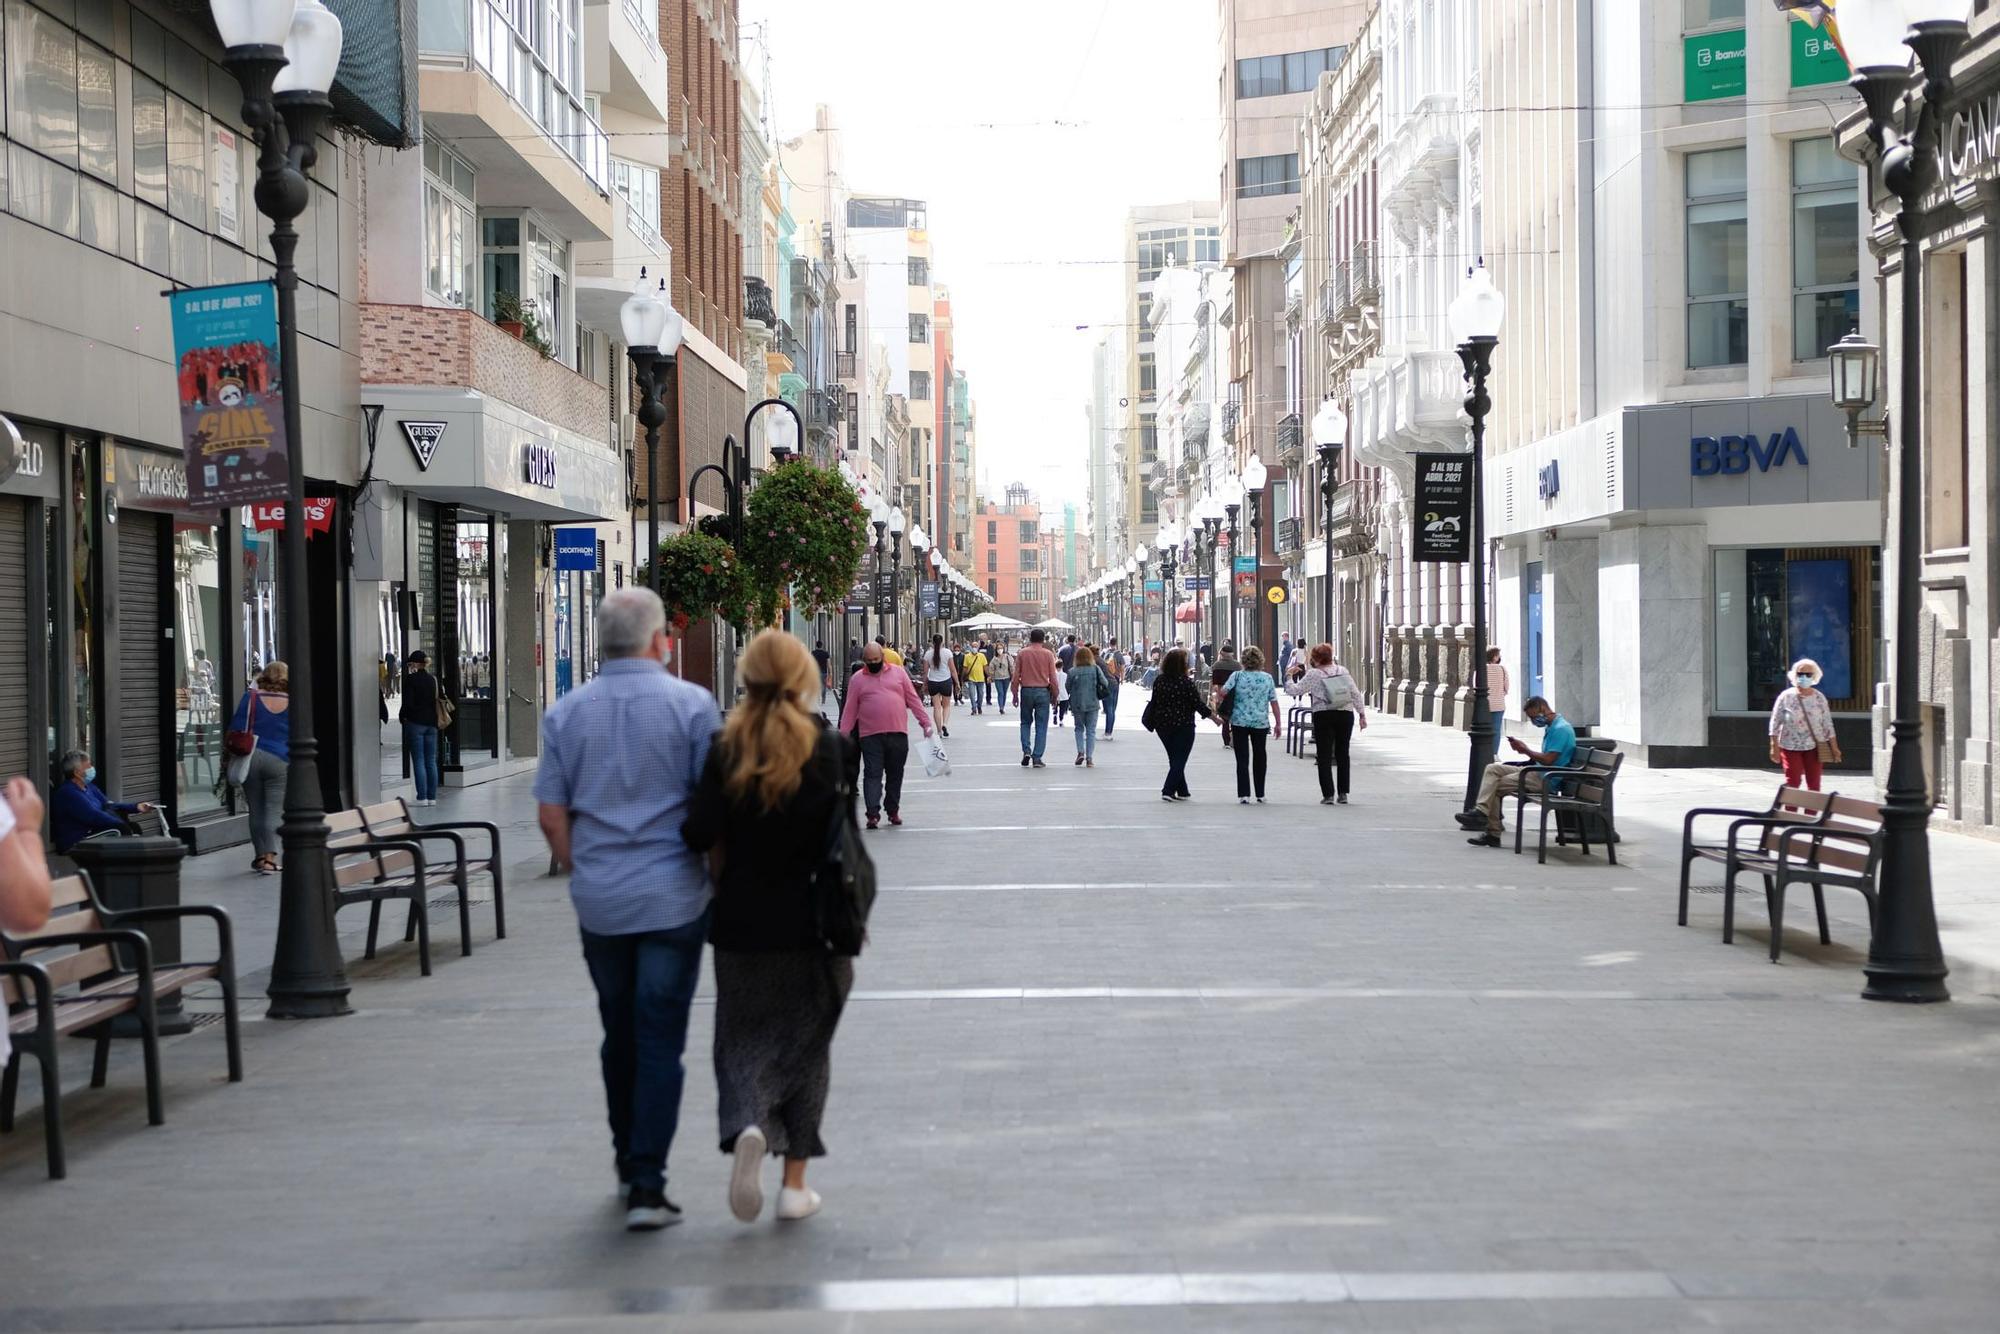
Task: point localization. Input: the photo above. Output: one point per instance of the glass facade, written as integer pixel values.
(1826, 248)
(200, 711)
(1775, 605)
(1718, 259)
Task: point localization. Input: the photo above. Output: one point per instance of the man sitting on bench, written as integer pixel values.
(1504, 780)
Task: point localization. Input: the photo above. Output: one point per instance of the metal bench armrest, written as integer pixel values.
(487, 827)
(225, 931)
(38, 980)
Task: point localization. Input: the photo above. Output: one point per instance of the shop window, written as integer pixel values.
(1775, 605)
(259, 629)
(200, 712)
(1826, 248)
(1718, 259)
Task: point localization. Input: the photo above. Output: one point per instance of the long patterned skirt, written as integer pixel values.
(775, 1015)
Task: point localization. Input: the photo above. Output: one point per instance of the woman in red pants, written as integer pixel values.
(1801, 723)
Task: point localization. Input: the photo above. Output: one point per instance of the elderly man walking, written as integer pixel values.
(620, 758)
(878, 699)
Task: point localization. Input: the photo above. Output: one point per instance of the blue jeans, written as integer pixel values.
(421, 741)
(1111, 708)
(1086, 731)
(1035, 711)
(645, 983)
(1499, 717)
(1000, 690)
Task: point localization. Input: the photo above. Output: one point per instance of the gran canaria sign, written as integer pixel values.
(1971, 148)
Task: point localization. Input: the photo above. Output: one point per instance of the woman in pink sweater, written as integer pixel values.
(877, 703)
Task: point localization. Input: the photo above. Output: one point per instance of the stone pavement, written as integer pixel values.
(1111, 1065)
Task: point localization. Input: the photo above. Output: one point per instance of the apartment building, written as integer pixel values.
(1104, 424)
(129, 623)
(817, 195)
(1191, 318)
(1271, 56)
(1337, 330)
(1157, 237)
(1008, 556)
(1679, 511)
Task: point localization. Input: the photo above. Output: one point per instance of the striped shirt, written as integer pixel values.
(622, 755)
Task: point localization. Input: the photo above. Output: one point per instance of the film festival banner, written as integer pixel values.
(1245, 577)
(1443, 530)
(232, 405)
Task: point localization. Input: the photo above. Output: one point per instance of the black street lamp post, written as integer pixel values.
(1329, 428)
(652, 338)
(1232, 508)
(1253, 479)
(1475, 319)
(1211, 522)
(895, 575)
(1905, 956)
(1139, 557)
(1169, 547)
(284, 58)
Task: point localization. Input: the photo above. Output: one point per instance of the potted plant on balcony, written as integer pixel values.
(521, 321)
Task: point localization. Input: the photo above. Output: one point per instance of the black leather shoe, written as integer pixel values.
(1485, 841)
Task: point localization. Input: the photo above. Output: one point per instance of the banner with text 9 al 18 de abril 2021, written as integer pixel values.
(226, 371)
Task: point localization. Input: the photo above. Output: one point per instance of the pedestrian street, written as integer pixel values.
(1109, 1064)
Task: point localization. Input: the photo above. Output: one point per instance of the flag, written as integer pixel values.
(1816, 14)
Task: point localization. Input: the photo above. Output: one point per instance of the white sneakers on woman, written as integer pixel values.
(746, 1185)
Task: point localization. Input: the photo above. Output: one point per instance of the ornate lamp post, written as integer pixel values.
(1131, 620)
(919, 545)
(1230, 508)
(1253, 479)
(1209, 511)
(284, 57)
(1476, 314)
(1170, 541)
(652, 336)
(1905, 958)
(896, 518)
(1140, 555)
(878, 515)
(1329, 428)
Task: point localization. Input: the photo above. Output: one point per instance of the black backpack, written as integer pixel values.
(843, 889)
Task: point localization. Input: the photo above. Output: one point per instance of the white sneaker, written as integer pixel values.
(796, 1204)
(746, 1186)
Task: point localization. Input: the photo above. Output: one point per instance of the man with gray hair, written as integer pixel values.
(620, 756)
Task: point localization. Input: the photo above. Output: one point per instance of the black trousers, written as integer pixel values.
(1179, 742)
(1251, 757)
(1332, 730)
(883, 756)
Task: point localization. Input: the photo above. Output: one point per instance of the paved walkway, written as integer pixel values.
(1111, 1065)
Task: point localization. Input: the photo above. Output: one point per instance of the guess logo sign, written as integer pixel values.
(538, 464)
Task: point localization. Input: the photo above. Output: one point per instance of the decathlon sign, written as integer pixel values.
(1732, 455)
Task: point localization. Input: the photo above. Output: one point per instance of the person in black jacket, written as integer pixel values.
(419, 716)
(767, 796)
(1170, 715)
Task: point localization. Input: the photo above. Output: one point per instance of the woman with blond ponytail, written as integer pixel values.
(772, 787)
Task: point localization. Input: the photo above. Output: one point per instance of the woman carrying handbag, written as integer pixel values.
(260, 747)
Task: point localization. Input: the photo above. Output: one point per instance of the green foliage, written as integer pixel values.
(701, 576)
(805, 536)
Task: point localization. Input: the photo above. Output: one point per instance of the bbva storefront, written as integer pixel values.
(1660, 568)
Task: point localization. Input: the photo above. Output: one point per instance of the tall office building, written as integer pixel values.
(1157, 236)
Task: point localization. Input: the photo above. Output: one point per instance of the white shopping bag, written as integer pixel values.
(936, 763)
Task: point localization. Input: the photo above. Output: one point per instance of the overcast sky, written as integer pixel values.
(1029, 128)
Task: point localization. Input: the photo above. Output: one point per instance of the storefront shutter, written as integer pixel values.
(142, 684)
(14, 639)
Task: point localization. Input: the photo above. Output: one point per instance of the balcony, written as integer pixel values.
(843, 366)
(634, 242)
(483, 87)
(1366, 270)
(1404, 404)
(623, 60)
(1291, 438)
(1290, 537)
(703, 154)
(1232, 420)
(757, 305)
(456, 349)
(1330, 304)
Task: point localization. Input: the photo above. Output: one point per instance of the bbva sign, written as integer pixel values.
(1730, 455)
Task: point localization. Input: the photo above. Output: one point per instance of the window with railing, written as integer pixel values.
(920, 272)
(1276, 174)
(451, 236)
(639, 186)
(532, 50)
(920, 332)
(920, 384)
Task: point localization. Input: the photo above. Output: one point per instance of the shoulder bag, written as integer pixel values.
(843, 887)
(445, 708)
(244, 743)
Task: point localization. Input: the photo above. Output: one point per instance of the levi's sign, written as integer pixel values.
(1731, 455)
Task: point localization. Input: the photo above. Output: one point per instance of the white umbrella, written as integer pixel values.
(1053, 623)
(989, 620)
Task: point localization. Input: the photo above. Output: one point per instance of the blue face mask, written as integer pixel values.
(90, 774)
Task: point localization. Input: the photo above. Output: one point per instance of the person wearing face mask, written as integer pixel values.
(621, 756)
(1801, 725)
(877, 702)
(1504, 780)
(78, 807)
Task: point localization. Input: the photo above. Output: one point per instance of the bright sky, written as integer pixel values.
(1029, 128)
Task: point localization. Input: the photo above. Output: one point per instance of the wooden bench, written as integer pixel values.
(1582, 791)
(73, 976)
(1792, 806)
(372, 871)
(1810, 838)
(391, 820)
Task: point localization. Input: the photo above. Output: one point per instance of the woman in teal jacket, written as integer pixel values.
(1089, 687)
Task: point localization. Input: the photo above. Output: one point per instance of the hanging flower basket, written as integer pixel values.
(805, 534)
(700, 576)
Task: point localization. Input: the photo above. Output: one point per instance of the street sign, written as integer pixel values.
(1443, 529)
(1274, 594)
(1198, 583)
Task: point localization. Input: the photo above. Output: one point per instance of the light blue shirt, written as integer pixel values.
(1252, 701)
(1560, 737)
(622, 754)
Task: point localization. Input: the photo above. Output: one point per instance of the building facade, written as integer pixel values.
(1157, 237)
(1008, 555)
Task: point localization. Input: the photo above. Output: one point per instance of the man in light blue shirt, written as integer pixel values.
(1503, 780)
(620, 757)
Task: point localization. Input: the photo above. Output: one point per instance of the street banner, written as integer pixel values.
(232, 405)
(885, 592)
(927, 597)
(1245, 585)
(1156, 594)
(1443, 530)
(319, 516)
(857, 596)
(576, 549)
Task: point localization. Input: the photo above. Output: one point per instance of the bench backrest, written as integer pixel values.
(1600, 771)
(388, 819)
(354, 865)
(72, 907)
(1829, 810)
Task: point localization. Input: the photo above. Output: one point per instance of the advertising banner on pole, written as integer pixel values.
(231, 404)
(927, 597)
(885, 592)
(1442, 532)
(1244, 584)
(1155, 595)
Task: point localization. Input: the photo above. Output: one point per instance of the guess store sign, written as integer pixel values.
(319, 515)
